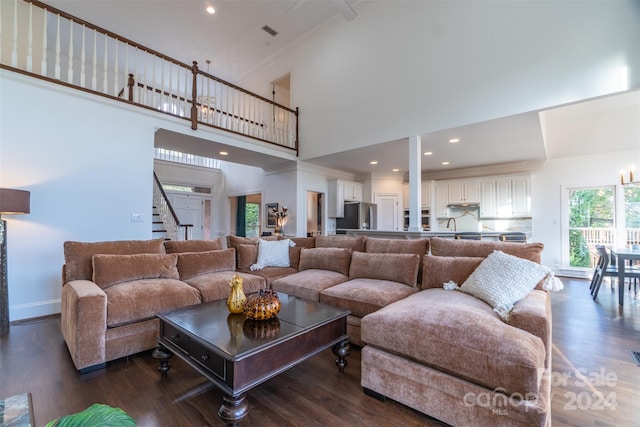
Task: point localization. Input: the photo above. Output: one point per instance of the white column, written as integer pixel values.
(415, 183)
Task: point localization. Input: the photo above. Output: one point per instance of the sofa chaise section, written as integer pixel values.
(449, 355)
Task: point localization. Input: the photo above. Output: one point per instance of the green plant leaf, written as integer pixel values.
(95, 415)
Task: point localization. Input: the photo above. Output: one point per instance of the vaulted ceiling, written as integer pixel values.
(236, 42)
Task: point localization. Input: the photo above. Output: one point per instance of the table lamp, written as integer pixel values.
(11, 202)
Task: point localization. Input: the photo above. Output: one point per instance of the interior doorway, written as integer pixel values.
(245, 214)
(281, 90)
(387, 209)
(315, 202)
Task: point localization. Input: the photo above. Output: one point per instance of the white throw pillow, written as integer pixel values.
(501, 280)
(273, 253)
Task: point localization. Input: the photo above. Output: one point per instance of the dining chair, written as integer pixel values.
(603, 269)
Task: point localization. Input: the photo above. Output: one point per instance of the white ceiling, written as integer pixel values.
(235, 43)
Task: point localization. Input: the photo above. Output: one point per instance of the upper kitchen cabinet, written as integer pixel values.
(442, 199)
(425, 195)
(341, 191)
(463, 192)
(506, 197)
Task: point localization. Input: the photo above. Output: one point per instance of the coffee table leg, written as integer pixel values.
(233, 409)
(163, 355)
(342, 350)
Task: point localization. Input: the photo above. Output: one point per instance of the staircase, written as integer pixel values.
(165, 221)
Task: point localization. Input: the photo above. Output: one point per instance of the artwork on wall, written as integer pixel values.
(270, 209)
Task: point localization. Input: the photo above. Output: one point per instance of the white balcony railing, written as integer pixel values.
(39, 40)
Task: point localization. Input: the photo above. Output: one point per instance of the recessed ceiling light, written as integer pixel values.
(224, 153)
(395, 170)
(454, 140)
(428, 153)
(210, 10)
(445, 163)
(373, 162)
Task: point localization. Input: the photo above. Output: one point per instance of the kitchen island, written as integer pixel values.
(486, 235)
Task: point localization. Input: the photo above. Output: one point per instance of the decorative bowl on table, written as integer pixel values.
(262, 306)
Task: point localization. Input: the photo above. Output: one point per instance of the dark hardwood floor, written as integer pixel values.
(596, 382)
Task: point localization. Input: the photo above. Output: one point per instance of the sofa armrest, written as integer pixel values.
(533, 314)
(84, 322)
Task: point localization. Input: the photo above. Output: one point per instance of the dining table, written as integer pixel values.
(622, 256)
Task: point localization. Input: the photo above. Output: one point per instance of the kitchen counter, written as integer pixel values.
(488, 235)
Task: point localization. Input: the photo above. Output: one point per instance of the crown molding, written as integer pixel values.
(524, 167)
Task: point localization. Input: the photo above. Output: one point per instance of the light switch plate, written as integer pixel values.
(137, 217)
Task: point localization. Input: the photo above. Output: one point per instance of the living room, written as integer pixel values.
(88, 162)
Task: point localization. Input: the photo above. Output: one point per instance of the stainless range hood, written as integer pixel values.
(463, 205)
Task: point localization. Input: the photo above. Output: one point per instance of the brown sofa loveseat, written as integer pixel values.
(113, 290)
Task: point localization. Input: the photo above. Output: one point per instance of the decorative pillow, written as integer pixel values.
(442, 269)
(273, 253)
(332, 259)
(401, 268)
(179, 246)
(501, 280)
(78, 255)
(192, 264)
(247, 255)
(111, 269)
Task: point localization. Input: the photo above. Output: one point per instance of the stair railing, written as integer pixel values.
(47, 43)
(174, 228)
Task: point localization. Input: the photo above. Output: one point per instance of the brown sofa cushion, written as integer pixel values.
(363, 296)
(178, 246)
(111, 269)
(308, 284)
(304, 242)
(482, 248)
(142, 299)
(191, 264)
(234, 241)
(438, 270)
(353, 243)
(459, 334)
(215, 286)
(247, 255)
(332, 259)
(397, 246)
(401, 268)
(78, 255)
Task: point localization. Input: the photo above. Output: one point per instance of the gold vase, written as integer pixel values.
(236, 299)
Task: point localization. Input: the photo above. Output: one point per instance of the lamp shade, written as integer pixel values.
(14, 201)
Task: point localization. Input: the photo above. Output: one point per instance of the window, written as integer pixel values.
(591, 222)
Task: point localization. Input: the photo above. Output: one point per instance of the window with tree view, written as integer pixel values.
(592, 221)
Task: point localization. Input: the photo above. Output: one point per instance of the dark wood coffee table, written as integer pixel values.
(237, 354)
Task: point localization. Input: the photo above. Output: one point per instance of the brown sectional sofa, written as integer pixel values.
(444, 353)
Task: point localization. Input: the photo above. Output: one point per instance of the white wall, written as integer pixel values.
(410, 67)
(88, 167)
(546, 194)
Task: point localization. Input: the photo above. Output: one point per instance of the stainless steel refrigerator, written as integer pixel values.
(358, 216)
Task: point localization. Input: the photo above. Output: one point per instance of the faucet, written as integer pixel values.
(449, 223)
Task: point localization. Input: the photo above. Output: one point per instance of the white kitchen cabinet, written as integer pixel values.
(464, 192)
(488, 198)
(442, 199)
(341, 191)
(521, 196)
(505, 197)
(425, 195)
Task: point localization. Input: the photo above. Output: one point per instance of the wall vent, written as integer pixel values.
(270, 30)
(635, 355)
